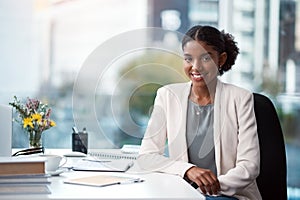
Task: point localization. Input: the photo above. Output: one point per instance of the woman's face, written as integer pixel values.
(201, 62)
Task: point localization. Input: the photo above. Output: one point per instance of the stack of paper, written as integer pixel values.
(23, 175)
(24, 179)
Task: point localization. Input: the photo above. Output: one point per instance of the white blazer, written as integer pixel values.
(235, 137)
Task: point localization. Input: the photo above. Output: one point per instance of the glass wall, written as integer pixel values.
(98, 63)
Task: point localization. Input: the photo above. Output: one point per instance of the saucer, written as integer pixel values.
(55, 173)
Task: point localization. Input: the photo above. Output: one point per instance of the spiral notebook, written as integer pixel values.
(129, 152)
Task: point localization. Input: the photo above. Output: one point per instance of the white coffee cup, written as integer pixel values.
(53, 162)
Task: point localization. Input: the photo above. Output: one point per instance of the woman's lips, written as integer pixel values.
(197, 76)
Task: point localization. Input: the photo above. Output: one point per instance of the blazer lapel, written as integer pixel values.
(182, 133)
(217, 124)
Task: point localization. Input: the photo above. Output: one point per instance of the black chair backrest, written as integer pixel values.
(271, 181)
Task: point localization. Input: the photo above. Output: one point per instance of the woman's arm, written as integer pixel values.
(151, 156)
(247, 153)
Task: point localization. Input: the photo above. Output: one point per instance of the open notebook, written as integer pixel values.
(90, 164)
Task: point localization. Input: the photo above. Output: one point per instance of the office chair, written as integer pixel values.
(271, 181)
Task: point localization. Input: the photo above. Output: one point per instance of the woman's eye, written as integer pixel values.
(206, 58)
(188, 59)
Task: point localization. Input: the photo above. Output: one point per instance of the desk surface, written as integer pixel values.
(155, 186)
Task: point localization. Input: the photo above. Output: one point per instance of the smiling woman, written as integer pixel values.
(216, 150)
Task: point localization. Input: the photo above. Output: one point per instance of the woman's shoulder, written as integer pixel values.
(235, 90)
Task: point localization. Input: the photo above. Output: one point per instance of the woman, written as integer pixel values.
(208, 126)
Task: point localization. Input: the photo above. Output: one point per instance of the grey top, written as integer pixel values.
(199, 134)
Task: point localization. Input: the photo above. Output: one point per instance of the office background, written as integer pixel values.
(45, 44)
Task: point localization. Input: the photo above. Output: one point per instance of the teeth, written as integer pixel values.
(197, 75)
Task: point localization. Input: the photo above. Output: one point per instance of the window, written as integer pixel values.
(46, 46)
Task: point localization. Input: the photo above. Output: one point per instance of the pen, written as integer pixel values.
(132, 181)
(125, 182)
(101, 161)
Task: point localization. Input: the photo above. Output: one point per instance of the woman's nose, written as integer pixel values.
(196, 64)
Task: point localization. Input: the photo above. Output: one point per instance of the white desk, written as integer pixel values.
(155, 186)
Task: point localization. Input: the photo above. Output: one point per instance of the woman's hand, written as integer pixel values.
(205, 179)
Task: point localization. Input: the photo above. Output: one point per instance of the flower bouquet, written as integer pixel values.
(35, 118)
